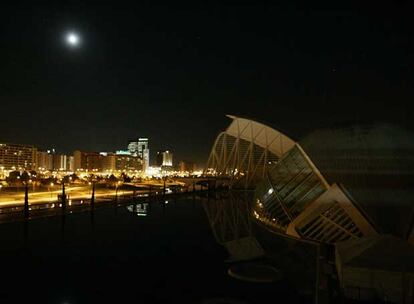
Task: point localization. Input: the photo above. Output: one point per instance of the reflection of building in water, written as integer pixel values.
(140, 209)
(230, 221)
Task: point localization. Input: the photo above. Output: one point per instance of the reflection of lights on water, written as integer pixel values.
(140, 209)
(70, 202)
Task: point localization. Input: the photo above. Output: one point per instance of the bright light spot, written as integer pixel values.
(72, 39)
(270, 191)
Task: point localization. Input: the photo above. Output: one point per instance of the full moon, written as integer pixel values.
(72, 39)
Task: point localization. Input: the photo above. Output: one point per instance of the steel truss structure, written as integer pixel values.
(244, 151)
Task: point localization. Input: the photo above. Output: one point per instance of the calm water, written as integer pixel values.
(118, 256)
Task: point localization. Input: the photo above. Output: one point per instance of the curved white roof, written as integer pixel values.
(260, 134)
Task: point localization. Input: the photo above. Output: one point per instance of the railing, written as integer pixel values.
(64, 205)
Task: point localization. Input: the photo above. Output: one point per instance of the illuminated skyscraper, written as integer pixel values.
(17, 157)
(164, 158)
(140, 148)
(44, 160)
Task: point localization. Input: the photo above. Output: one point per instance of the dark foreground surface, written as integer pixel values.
(117, 256)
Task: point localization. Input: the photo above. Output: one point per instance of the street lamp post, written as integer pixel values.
(93, 195)
(17, 185)
(116, 191)
(164, 189)
(50, 185)
(26, 200)
(63, 197)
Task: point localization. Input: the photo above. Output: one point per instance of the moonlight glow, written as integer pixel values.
(72, 39)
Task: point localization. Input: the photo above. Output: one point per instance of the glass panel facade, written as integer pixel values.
(293, 184)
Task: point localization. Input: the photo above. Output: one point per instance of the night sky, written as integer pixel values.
(171, 72)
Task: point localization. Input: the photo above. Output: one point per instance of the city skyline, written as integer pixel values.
(118, 150)
(26, 157)
(168, 71)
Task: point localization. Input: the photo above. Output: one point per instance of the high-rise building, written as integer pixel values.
(159, 158)
(60, 162)
(79, 160)
(128, 162)
(17, 157)
(132, 148)
(108, 161)
(44, 160)
(71, 164)
(164, 159)
(50, 160)
(87, 160)
(140, 148)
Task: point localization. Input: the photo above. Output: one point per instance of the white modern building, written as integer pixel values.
(245, 150)
(333, 185)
